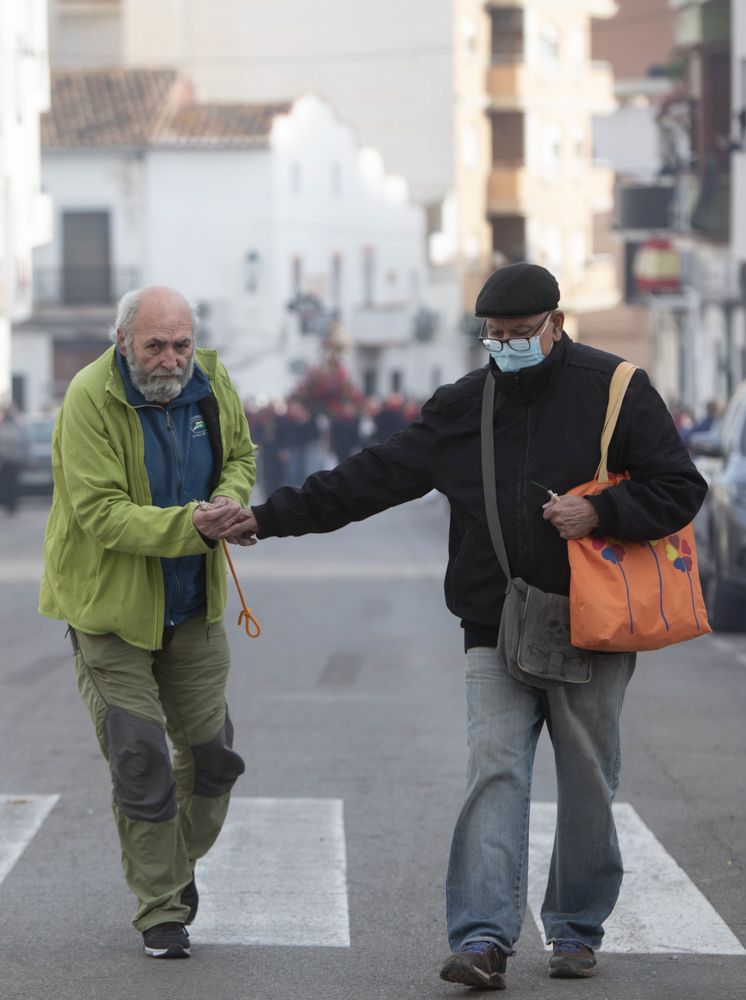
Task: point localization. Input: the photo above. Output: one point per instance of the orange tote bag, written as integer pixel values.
(631, 596)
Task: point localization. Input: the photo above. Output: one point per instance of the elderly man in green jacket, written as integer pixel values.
(134, 565)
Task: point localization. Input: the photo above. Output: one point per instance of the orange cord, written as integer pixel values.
(252, 626)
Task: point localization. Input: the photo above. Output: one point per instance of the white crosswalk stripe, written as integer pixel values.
(20, 818)
(277, 876)
(659, 908)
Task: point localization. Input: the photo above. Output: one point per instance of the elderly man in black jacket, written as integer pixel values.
(552, 400)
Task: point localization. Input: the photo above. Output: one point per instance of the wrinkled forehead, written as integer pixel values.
(515, 322)
(164, 318)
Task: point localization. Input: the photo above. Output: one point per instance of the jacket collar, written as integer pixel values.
(530, 383)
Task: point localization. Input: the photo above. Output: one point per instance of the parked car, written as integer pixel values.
(36, 475)
(720, 526)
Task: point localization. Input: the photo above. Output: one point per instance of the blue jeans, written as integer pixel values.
(488, 868)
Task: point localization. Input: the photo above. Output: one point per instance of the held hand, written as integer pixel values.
(218, 519)
(246, 530)
(573, 517)
(219, 501)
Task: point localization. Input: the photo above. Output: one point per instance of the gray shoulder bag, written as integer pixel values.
(534, 625)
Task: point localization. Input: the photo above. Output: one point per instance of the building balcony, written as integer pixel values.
(72, 287)
(643, 206)
(513, 85)
(508, 190)
(380, 325)
(689, 204)
(507, 85)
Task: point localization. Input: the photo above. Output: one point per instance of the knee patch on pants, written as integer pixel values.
(216, 764)
(144, 785)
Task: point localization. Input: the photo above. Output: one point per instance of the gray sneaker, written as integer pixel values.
(479, 963)
(572, 960)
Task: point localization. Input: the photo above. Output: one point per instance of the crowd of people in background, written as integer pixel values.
(294, 441)
(687, 424)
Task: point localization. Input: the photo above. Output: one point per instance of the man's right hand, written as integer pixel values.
(246, 530)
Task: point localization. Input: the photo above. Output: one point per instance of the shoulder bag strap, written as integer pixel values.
(488, 474)
(619, 382)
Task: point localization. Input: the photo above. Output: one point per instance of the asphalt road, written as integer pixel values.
(354, 692)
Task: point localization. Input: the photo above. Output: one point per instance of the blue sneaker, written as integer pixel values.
(479, 963)
(572, 960)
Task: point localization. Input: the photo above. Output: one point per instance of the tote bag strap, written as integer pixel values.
(488, 474)
(619, 382)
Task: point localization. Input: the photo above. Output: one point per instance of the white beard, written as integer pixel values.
(159, 386)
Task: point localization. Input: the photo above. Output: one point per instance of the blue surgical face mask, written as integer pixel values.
(508, 360)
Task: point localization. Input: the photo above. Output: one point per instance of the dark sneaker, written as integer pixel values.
(190, 898)
(167, 941)
(479, 963)
(572, 960)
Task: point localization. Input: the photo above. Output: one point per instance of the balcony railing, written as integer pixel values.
(82, 286)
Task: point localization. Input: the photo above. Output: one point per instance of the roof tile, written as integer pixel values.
(147, 107)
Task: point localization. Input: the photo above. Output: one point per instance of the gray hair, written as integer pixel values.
(127, 310)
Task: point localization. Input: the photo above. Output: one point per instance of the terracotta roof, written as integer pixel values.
(147, 107)
(106, 107)
(209, 125)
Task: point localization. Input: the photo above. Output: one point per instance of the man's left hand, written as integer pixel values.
(573, 517)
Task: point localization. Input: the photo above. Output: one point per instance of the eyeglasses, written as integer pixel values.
(520, 344)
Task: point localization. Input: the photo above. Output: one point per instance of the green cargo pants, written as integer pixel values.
(168, 814)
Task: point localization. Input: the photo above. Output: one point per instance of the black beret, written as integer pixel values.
(518, 290)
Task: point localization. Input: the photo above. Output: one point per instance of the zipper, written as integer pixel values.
(178, 586)
(156, 572)
(528, 548)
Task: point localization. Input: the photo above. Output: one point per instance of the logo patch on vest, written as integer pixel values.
(197, 425)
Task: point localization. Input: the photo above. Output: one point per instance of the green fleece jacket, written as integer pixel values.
(104, 538)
